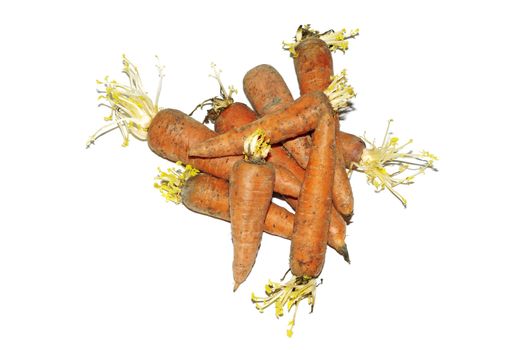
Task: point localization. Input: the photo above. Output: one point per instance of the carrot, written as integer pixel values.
(309, 238)
(312, 218)
(268, 93)
(250, 192)
(314, 69)
(209, 195)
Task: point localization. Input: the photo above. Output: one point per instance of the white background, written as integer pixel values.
(92, 257)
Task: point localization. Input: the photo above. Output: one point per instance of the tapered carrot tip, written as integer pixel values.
(345, 253)
(236, 285)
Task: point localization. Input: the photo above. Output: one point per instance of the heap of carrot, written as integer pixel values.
(282, 146)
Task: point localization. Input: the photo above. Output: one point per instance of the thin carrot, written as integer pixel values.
(314, 69)
(250, 192)
(312, 218)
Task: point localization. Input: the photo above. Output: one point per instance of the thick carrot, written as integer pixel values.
(298, 118)
(312, 218)
(171, 134)
(267, 92)
(251, 186)
(314, 70)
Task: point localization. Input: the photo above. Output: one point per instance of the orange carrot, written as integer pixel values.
(297, 119)
(314, 70)
(312, 218)
(172, 132)
(250, 192)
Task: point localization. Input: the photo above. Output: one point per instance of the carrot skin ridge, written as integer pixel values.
(314, 68)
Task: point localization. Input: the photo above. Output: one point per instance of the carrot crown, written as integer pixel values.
(340, 92)
(386, 165)
(335, 40)
(256, 146)
(218, 103)
(286, 296)
(131, 109)
(170, 183)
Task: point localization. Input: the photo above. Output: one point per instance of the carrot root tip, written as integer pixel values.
(344, 251)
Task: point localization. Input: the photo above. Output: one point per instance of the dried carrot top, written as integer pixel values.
(377, 159)
(340, 92)
(131, 109)
(335, 40)
(218, 103)
(286, 296)
(170, 183)
(256, 147)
